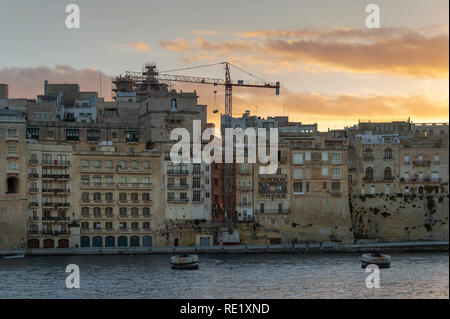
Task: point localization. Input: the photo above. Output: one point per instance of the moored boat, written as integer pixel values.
(375, 258)
(185, 261)
(14, 256)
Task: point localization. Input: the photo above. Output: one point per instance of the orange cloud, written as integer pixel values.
(176, 45)
(140, 46)
(394, 51)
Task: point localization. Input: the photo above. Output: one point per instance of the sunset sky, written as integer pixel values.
(333, 70)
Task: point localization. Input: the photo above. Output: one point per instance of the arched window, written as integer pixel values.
(109, 196)
(145, 196)
(97, 212)
(85, 211)
(123, 211)
(146, 212)
(97, 196)
(123, 196)
(134, 196)
(368, 154)
(84, 225)
(369, 174)
(108, 212)
(12, 184)
(85, 196)
(387, 173)
(134, 212)
(173, 105)
(388, 153)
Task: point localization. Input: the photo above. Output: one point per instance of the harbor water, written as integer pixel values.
(335, 275)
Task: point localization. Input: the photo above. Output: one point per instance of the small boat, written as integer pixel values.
(14, 256)
(185, 261)
(375, 258)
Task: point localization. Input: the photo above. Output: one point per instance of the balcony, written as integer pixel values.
(177, 199)
(177, 186)
(368, 157)
(245, 172)
(245, 204)
(56, 233)
(245, 188)
(56, 218)
(198, 200)
(33, 190)
(12, 155)
(96, 185)
(33, 204)
(33, 176)
(335, 191)
(197, 172)
(177, 172)
(272, 176)
(134, 170)
(273, 211)
(33, 218)
(86, 169)
(55, 190)
(12, 138)
(12, 170)
(421, 163)
(33, 162)
(135, 185)
(55, 163)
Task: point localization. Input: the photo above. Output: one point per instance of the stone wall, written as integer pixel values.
(13, 222)
(400, 217)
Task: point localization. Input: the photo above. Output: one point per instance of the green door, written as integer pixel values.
(85, 242)
(97, 241)
(147, 241)
(110, 241)
(122, 241)
(134, 241)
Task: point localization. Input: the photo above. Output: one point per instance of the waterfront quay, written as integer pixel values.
(327, 247)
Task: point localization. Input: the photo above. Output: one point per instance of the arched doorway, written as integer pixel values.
(63, 243)
(85, 242)
(97, 241)
(122, 241)
(49, 243)
(12, 185)
(134, 241)
(147, 241)
(33, 243)
(110, 241)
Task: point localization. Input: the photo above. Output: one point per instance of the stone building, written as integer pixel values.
(13, 186)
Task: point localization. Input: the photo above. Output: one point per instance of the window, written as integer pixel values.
(335, 187)
(336, 158)
(145, 180)
(97, 196)
(307, 173)
(336, 173)
(298, 173)
(196, 196)
(406, 160)
(33, 133)
(387, 190)
(134, 212)
(324, 156)
(298, 188)
(388, 153)
(146, 196)
(72, 135)
(134, 225)
(109, 196)
(123, 196)
(298, 158)
(388, 173)
(146, 212)
(109, 164)
(123, 212)
(146, 165)
(325, 185)
(97, 163)
(85, 211)
(307, 156)
(134, 164)
(85, 196)
(195, 182)
(109, 179)
(406, 176)
(109, 212)
(134, 196)
(436, 159)
(369, 174)
(435, 177)
(85, 179)
(109, 225)
(420, 177)
(122, 164)
(132, 136)
(97, 212)
(324, 170)
(420, 158)
(372, 190)
(93, 135)
(307, 187)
